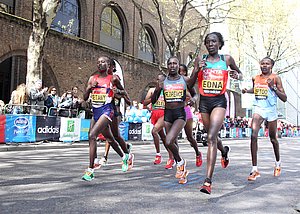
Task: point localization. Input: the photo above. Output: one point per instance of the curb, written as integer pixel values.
(83, 144)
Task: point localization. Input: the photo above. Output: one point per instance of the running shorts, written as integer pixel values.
(188, 112)
(156, 114)
(107, 110)
(269, 114)
(173, 114)
(207, 104)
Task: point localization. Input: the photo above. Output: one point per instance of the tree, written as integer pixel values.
(181, 22)
(44, 12)
(265, 30)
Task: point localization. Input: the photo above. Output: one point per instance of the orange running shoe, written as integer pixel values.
(157, 159)
(199, 160)
(277, 171)
(183, 180)
(170, 164)
(225, 158)
(206, 187)
(181, 170)
(130, 161)
(253, 176)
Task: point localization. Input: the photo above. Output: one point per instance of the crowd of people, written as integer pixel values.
(40, 100)
(170, 103)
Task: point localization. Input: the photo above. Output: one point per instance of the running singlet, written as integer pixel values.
(264, 96)
(174, 90)
(102, 93)
(212, 80)
(160, 103)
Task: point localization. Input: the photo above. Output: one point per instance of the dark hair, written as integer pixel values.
(272, 60)
(184, 67)
(112, 63)
(220, 37)
(172, 57)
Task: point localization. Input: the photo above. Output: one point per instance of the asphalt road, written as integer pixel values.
(49, 181)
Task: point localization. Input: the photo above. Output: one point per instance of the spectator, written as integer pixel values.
(68, 103)
(18, 99)
(37, 96)
(52, 101)
(2, 104)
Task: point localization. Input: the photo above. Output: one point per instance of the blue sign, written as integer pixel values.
(84, 129)
(20, 128)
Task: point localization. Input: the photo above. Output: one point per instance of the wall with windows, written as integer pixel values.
(82, 31)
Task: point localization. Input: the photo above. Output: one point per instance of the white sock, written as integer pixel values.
(277, 163)
(90, 170)
(254, 168)
(180, 162)
(158, 154)
(124, 156)
(96, 160)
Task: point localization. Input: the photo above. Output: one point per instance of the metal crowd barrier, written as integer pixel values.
(25, 109)
(62, 112)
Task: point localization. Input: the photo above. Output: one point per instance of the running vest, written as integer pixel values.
(174, 90)
(160, 103)
(264, 96)
(102, 93)
(212, 80)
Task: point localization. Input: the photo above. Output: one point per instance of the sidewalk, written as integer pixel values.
(62, 145)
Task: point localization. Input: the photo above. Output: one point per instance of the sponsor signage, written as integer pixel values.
(147, 131)
(47, 128)
(20, 128)
(84, 129)
(70, 129)
(2, 128)
(135, 131)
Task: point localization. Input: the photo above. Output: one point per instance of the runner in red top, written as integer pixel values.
(212, 74)
(99, 88)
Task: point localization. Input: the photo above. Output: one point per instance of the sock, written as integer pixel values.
(90, 170)
(254, 168)
(158, 154)
(277, 163)
(124, 156)
(96, 160)
(180, 162)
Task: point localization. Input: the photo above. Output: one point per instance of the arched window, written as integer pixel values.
(145, 42)
(7, 6)
(111, 30)
(67, 18)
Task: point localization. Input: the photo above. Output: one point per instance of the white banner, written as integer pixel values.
(146, 131)
(70, 129)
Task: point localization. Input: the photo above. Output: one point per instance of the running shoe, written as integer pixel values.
(225, 157)
(206, 187)
(183, 179)
(199, 160)
(130, 161)
(97, 163)
(253, 175)
(129, 147)
(103, 161)
(181, 170)
(277, 171)
(157, 159)
(88, 175)
(125, 163)
(170, 164)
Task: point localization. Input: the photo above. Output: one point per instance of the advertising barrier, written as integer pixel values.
(146, 131)
(20, 128)
(47, 128)
(135, 131)
(70, 129)
(2, 128)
